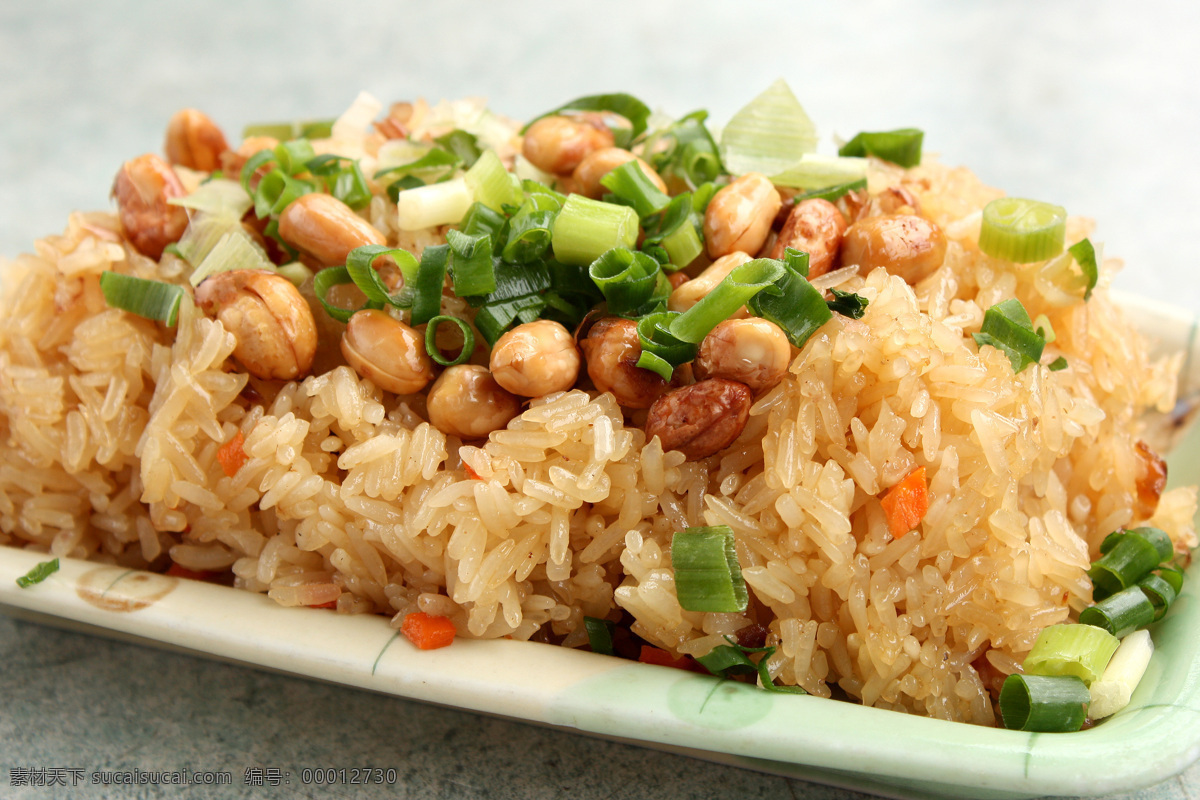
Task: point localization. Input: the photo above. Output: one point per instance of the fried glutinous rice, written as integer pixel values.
(129, 441)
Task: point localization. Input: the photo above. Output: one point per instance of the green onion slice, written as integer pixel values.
(814, 172)
(629, 280)
(725, 660)
(343, 179)
(1007, 327)
(1044, 704)
(1084, 253)
(431, 341)
(585, 229)
(1079, 650)
(431, 277)
(481, 220)
(848, 304)
(471, 263)
(359, 263)
(799, 310)
(769, 135)
(39, 573)
(491, 184)
(707, 574)
(1127, 557)
(630, 183)
(1122, 613)
(1021, 230)
(150, 299)
(1160, 592)
(1058, 364)
(301, 129)
(685, 149)
(325, 280)
(529, 233)
(625, 105)
(832, 193)
(464, 145)
(662, 350)
(901, 147)
(734, 291)
(599, 632)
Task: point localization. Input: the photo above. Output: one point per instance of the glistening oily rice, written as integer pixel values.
(606, 381)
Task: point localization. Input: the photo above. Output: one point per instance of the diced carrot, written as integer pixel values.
(653, 655)
(472, 474)
(231, 455)
(330, 604)
(428, 632)
(906, 503)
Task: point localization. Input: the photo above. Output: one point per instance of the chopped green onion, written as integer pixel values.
(1021, 230)
(482, 220)
(629, 280)
(431, 277)
(1128, 556)
(462, 144)
(343, 179)
(769, 135)
(707, 574)
(432, 165)
(431, 341)
(822, 172)
(741, 284)
(38, 574)
(832, 193)
(1084, 254)
(599, 632)
(1121, 613)
(1007, 327)
(1160, 592)
(1043, 704)
(689, 152)
(683, 245)
(471, 263)
(294, 155)
(901, 147)
(1058, 364)
(1079, 650)
(624, 105)
(1124, 672)
(325, 280)
(218, 197)
(436, 204)
(490, 182)
(630, 183)
(359, 263)
(1173, 575)
(234, 250)
(295, 272)
(529, 233)
(733, 659)
(800, 309)
(586, 229)
(303, 129)
(150, 299)
(848, 304)
(662, 351)
(493, 319)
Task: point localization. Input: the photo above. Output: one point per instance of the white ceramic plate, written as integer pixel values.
(826, 741)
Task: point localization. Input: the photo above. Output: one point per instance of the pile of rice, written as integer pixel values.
(110, 427)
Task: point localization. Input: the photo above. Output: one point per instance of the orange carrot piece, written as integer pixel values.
(177, 571)
(427, 631)
(331, 604)
(231, 455)
(906, 503)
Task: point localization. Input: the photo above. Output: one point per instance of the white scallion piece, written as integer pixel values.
(436, 204)
(1112, 691)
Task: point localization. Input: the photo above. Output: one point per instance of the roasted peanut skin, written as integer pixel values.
(612, 350)
(142, 188)
(816, 227)
(701, 419)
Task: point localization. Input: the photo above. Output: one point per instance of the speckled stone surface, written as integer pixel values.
(1092, 105)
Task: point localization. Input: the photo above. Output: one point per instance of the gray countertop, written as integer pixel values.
(1093, 105)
